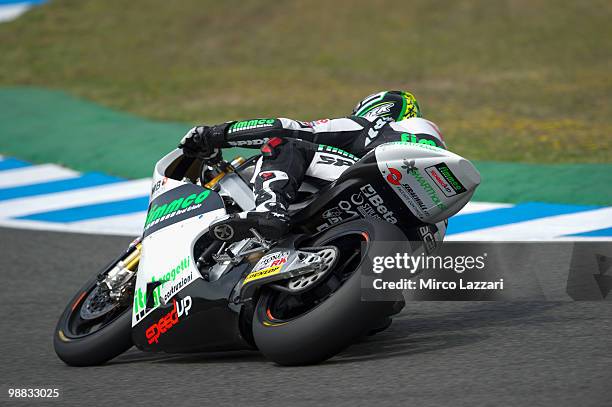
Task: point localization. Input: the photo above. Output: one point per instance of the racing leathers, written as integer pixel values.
(292, 150)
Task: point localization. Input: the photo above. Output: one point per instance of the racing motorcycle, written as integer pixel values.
(178, 289)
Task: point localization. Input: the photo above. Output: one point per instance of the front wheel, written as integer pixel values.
(94, 327)
(310, 327)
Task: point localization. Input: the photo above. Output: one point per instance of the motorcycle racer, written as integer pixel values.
(292, 150)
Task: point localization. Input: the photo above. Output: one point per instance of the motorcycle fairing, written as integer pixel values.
(360, 191)
(434, 183)
(184, 201)
(214, 321)
(179, 213)
(167, 258)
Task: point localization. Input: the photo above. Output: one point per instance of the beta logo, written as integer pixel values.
(169, 320)
(377, 202)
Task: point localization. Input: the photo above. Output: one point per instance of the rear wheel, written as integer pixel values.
(94, 327)
(311, 326)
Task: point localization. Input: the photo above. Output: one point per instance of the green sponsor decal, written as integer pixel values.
(428, 188)
(140, 297)
(251, 123)
(170, 209)
(412, 138)
(450, 177)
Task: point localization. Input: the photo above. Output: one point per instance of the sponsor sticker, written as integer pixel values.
(256, 275)
(366, 202)
(382, 109)
(426, 186)
(394, 176)
(272, 259)
(175, 279)
(178, 204)
(409, 196)
(253, 142)
(444, 179)
(320, 121)
(419, 139)
(331, 160)
(251, 124)
(377, 202)
(168, 321)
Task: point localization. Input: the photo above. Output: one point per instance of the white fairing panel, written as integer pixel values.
(167, 255)
(160, 182)
(433, 182)
(167, 251)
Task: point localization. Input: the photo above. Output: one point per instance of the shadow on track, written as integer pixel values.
(136, 356)
(405, 336)
(408, 335)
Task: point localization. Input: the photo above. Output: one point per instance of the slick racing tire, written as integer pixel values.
(316, 329)
(94, 341)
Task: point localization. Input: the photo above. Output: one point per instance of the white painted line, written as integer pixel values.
(549, 228)
(66, 227)
(10, 12)
(131, 223)
(35, 174)
(69, 199)
(473, 207)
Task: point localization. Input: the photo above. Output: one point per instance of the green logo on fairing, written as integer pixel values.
(427, 187)
(412, 138)
(179, 205)
(450, 177)
(140, 298)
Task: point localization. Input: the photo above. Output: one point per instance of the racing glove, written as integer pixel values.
(204, 142)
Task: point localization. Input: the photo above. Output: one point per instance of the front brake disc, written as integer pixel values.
(97, 304)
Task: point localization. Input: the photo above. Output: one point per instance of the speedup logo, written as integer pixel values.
(169, 320)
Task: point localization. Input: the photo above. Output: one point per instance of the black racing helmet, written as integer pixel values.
(395, 104)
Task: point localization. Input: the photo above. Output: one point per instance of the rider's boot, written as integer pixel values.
(269, 218)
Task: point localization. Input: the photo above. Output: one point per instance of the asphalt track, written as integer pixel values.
(435, 354)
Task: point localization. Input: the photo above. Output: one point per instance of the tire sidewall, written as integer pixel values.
(98, 347)
(332, 325)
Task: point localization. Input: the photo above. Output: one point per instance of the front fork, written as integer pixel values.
(117, 280)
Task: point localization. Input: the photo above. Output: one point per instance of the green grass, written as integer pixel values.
(521, 80)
